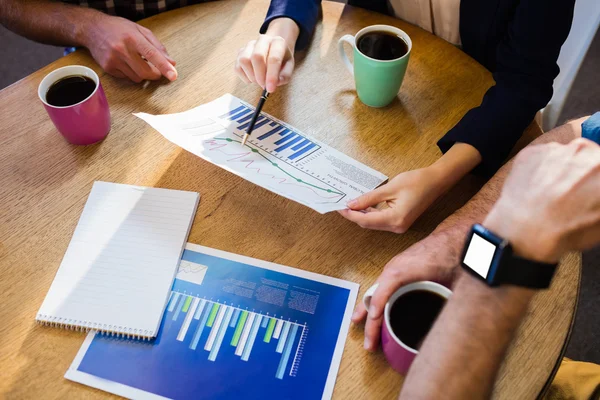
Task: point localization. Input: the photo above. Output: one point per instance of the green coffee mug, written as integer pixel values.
(377, 81)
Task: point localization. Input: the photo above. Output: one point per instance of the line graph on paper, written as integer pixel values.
(277, 156)
(272, 157)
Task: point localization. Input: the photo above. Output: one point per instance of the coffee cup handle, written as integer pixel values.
(368, 295)
(348, 39)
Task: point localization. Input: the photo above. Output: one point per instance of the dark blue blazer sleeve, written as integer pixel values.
(303, 12)
(524, 73)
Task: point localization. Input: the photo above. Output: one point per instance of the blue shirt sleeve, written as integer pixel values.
(303, 12)
(524, 74)
(590, 129)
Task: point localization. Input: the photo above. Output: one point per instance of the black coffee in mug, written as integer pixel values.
(70, 90)
(382, 45)
(412, 315)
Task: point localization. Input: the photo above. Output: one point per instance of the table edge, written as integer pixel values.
(561, 355)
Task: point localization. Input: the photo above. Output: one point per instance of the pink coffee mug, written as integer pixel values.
(399, 355)
(83, 123)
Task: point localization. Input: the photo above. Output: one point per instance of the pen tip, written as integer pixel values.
(244, 139)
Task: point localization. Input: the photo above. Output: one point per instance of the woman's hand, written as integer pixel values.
(410, 193)
(406, 196)
(269, 61)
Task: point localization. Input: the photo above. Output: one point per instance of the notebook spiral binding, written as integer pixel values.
(120, 332)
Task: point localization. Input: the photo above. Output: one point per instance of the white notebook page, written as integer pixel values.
(118, 270)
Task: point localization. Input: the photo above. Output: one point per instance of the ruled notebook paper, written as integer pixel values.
(118, 270)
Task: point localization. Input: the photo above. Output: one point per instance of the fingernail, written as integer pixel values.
(355, 315)
(367, 344)
(372, 312)
(171, 75)
(352, 203)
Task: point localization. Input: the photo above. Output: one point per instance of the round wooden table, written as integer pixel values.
(44, 183)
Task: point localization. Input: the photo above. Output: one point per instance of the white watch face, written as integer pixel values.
(479, 255)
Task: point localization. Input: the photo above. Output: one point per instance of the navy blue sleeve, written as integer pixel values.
(303, 12)
(525, 71)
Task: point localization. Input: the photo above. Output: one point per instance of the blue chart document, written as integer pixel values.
(234, 327)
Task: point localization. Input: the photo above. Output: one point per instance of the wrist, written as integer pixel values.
(525, 242)
(456, 163)
(86, 29)
(285, 28)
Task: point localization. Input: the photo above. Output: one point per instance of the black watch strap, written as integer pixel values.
(527, 273)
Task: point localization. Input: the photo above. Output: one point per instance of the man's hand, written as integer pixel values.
(432, 259)
(550, 203)
(126, 49)
(269, 61)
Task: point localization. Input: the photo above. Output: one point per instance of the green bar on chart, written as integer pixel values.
(213, 315)
(239, 328)
(270, 329)
(187, 303)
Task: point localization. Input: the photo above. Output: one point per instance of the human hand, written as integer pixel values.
(407, 196)
(550, 203)
(434, 258)
(126, 49)
(269, 61)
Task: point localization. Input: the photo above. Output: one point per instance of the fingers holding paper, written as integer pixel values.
(407, 196)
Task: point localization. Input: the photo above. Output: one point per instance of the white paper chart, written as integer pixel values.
(276, 157)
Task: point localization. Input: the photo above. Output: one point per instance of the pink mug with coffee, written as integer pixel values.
(412, 320)
(87, 119)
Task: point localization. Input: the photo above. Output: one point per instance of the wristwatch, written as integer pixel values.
(490, 258)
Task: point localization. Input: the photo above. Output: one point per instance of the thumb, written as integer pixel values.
(369, 199)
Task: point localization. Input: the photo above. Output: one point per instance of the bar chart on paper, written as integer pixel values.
(233, 328)
(276, 156)
(199, 314)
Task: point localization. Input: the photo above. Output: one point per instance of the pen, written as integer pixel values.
(259, 107)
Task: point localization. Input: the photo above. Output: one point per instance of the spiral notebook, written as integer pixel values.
(119, 267)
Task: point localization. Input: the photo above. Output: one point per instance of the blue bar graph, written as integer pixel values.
(286, 353)
(286, 140)
(243, 332)
(201, 326)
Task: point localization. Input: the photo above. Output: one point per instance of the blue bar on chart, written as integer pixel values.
(179, 307)
(234, 318)
(251, 338)
(212, 356)
(201, 326)
(284, 334)
(188, 319)
(173, 301)
(200, 309)
(286, 353)
(246, 325)
(245, 334)
(215, 329)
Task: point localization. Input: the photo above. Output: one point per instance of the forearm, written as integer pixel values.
(465, 348)
(285, 28)
(48, 22)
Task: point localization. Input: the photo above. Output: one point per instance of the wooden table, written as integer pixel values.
(44, 183)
